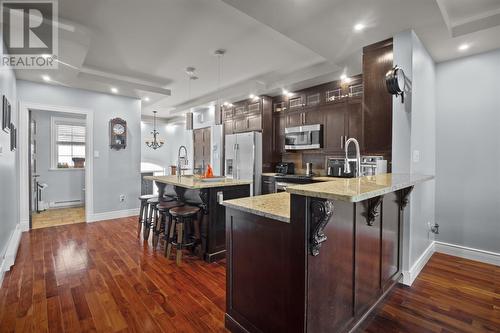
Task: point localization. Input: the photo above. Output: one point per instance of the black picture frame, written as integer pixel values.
(13, 137)
(6, 114)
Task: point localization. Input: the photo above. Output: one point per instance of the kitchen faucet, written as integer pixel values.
(181, 160)
(347, 166)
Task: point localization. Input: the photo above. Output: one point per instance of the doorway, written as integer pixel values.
(29, 166)
(57, 155)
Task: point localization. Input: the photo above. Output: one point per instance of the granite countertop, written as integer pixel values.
(191, 182)
(274, 206)
(358, 189)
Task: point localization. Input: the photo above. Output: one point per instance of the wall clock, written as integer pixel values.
(117, 133)
(395, 81)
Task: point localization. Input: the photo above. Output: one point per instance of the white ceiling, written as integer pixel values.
(143, 47)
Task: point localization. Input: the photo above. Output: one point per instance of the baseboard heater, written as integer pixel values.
(66, 203)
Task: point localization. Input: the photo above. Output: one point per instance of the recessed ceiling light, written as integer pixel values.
(146, 99)
(46, 78)
(287, 93)
(226, 103)
(343, 77)
(463, 47)
(114, 90)
(252, 96)
(359, 27)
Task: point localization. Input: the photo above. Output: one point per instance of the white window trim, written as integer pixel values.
(53, 146)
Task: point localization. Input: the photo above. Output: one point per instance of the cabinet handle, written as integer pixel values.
(341, 142)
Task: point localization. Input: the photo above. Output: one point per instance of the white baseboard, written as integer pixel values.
(410, 276)
(66, 204)
(487, 257)
(11, 253)
(112, 215)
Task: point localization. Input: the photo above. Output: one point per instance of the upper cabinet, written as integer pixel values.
(377, 103)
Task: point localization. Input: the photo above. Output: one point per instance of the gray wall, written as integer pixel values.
(174, 135)
(65, 184)
(9, 192)
(414, 130)
(115, 172)
(468, 151)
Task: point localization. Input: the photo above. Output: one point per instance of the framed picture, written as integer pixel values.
(6, 114)
(13, 137)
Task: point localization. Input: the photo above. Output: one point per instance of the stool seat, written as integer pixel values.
(167, 205)
(146, 196)
(167, 198)
(184, 211)
(153, 201)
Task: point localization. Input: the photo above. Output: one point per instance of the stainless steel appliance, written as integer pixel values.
(335, 167)
(309, 169)
(373, 165)
(243, 158)
(304, 137)
(285, 168)
(281, 182)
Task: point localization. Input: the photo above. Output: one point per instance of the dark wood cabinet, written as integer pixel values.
(279, 124)
(254, 123)
(268, 184)
(335, 123)
(377, 113)
(228, 127)
(202, 148)
(367, 262)
(294, 119)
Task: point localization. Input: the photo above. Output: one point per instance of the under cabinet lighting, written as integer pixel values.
(46, 78)
(146, 99)
(114, 90)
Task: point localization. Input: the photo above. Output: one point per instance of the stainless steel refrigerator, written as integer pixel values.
(243, 158)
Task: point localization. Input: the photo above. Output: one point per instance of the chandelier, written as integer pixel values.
(155, 143)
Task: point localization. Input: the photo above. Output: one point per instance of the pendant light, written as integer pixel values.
(155, 143)
(190, 71)
(218, 106)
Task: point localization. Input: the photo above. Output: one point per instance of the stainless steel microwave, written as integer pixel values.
(304, 137)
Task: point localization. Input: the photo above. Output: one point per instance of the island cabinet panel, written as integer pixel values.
(367, 276)
(391, 241)
(265, 274)
(330, 280)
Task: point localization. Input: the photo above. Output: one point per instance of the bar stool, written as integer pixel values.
(164, 219)
(143, 212)
(181, 216)
(152, 216)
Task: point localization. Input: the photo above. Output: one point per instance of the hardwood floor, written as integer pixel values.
(450, 295)
(100, 277)
(55, 217)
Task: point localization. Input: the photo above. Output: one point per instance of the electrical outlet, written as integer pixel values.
(122, 197)
(416, 156)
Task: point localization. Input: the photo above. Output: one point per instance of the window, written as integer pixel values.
(68, 143)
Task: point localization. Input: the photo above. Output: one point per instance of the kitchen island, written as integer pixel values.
(208, 195)
(315, 259)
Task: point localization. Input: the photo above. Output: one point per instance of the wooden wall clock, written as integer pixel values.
(117, 133)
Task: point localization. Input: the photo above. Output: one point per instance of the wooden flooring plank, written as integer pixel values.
(100, 277)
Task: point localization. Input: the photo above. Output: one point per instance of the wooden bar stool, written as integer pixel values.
(164, 220)
(143, 212)
(152, 216)
(182, 216)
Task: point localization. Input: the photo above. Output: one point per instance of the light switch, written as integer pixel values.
(416, 156)
(96, 153)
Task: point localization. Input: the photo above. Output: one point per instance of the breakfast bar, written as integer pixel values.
(328, 253)
(208, 193)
